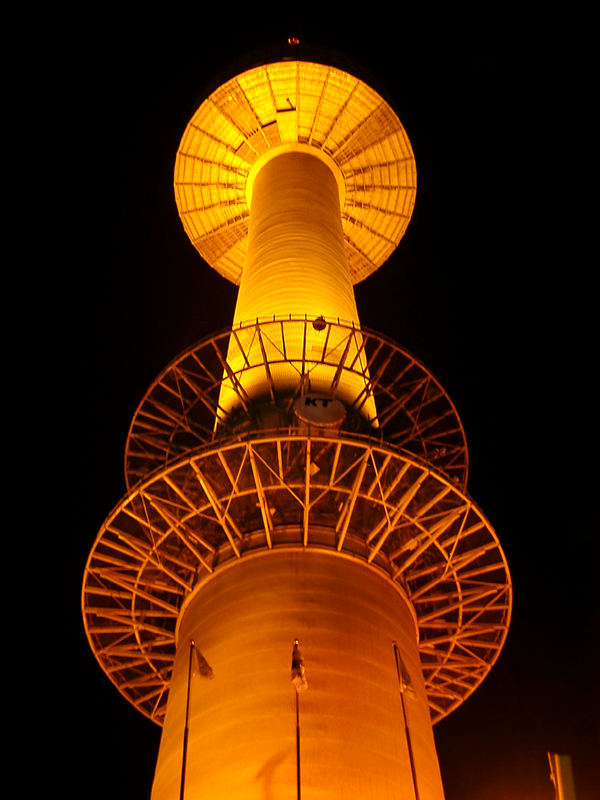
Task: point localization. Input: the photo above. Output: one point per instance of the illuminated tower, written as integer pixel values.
(296, 477)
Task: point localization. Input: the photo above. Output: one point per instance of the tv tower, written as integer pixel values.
(296, 479)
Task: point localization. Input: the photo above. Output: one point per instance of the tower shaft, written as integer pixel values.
(296, 269)
(296, 260)
(242, 722)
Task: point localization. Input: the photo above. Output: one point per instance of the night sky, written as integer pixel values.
(471, 291)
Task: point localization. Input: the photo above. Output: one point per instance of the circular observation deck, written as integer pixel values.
(294, 105)
(347, 494)
(413, 412)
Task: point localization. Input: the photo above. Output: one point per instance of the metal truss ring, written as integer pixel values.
(413, 411)
(349, 494)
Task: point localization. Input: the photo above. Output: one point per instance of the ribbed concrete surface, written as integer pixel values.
(296, 266)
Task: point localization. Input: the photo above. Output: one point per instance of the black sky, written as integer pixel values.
(472, 290)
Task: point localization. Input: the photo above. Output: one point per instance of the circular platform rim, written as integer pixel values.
(385, 429)
(440, 683)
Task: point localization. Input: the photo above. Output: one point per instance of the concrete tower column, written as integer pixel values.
(296, 261)
(296, 268)
(242, 744)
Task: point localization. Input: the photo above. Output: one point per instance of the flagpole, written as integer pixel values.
(300, 682)
(297, 745)
(406, 728)
(187, 717)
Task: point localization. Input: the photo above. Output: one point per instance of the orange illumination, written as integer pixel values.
(242, 722)
(294, 252)
(295, 102)
(296, 267)
(255, 520)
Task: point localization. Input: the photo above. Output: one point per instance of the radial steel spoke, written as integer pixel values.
(427, 540)
(264, 506)
(225, 520)
(400, 507)
(348, 508)
(306, 510)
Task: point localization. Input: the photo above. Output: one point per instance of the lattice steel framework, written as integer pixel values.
(179, 410)
(352, 494)
(206, 488)
(326, 109)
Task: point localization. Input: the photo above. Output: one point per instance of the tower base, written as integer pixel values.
(243, 620)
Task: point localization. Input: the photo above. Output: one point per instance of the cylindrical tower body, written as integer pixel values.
(242, 722)
(296, 263)
(296, 268)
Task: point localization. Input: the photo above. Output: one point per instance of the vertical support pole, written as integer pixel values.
(187, 719)
(297, 746)
(300, 682)
(403, 683)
